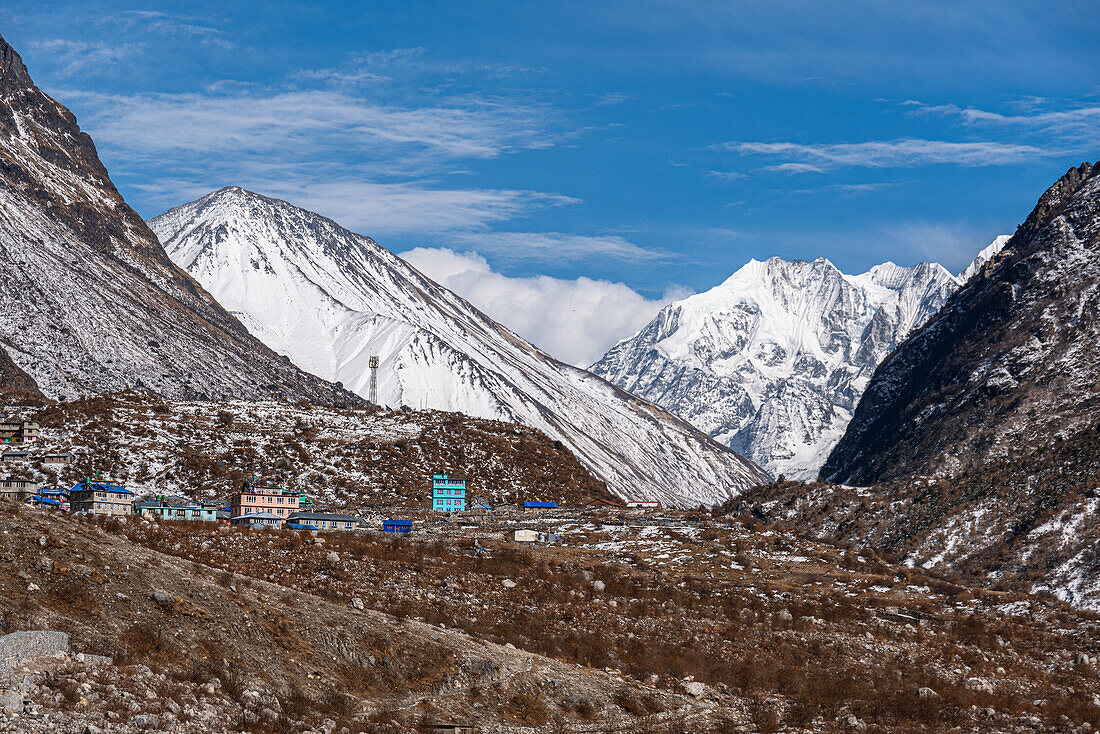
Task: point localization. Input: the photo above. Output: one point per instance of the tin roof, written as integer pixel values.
(100, 487)
(323, 516)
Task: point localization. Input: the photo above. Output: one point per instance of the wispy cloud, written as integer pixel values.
(556, 246)
(298, 124)
(371, 208)
(576, 321)
(73, 57)
(171, 25)
(903, 153)
(366, 162)
(1077, 126)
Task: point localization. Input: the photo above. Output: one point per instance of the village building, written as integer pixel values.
(17, 455)
(18, 431)
(605, 503)
(523, 535)
(325, 521)
(101, 498)
(448, 494)
(540, 505)
(19, 489)
(447, 728)
(397, 526)
(256, 499)
(173, 509)
(644, 504)
(258, 520)
(53, 498)
(58, 457)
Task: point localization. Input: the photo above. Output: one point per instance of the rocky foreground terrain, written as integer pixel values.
(666, 622)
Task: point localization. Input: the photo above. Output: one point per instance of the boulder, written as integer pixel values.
(695, 688)
(927, 693)
(163, 598)
(785, 616)
(332, 557)
(20, 646)
(854, 722)
(357, 603)
(508, 583)
(598, 585)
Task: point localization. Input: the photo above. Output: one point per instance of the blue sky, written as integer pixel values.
(623, 153)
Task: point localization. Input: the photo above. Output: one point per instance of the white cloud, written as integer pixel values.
(576, 321)
(372, 209)
(370, 165)
(556, 246)
(1077, 127)
(301, 124)
(904, 153)
(74, 57)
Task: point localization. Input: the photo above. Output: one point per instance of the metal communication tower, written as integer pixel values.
(373, 380)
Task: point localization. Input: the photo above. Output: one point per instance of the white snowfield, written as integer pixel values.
(329, 299)
(772, 362)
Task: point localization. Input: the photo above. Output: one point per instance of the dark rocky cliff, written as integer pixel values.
(1008, 366)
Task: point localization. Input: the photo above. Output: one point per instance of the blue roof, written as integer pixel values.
(540, 504)
(397, 522)
(299, 526)
(100, 487)
(46, 500)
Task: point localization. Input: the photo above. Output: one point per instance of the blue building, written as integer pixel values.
(167, 509)
(448, 494)
(540, 505)
(397, 526)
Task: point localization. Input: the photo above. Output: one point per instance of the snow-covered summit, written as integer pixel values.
(773, 360)
(330, 299)
(991, 251)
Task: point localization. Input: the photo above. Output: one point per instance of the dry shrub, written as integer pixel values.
(526, 708)
(629, 701)
(145, 642)
(765, 715)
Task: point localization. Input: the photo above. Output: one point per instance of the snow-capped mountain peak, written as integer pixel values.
(330, 299)
(772, 361)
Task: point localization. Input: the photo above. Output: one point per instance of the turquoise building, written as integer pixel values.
(448, 494)
(167, 510)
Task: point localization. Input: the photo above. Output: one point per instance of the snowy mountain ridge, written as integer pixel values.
(772, 361)
(329, 299)
(91, 302)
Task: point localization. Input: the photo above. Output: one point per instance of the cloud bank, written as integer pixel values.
(576, 321)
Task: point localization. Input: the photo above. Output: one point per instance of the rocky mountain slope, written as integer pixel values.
(353, 459)
(90, 301)
(330, 299)
(1007, 367)
(15, 384)
(773, 361)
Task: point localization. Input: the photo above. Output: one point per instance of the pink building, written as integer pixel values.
(273, 500)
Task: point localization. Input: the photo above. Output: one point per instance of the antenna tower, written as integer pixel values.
(373, 380)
